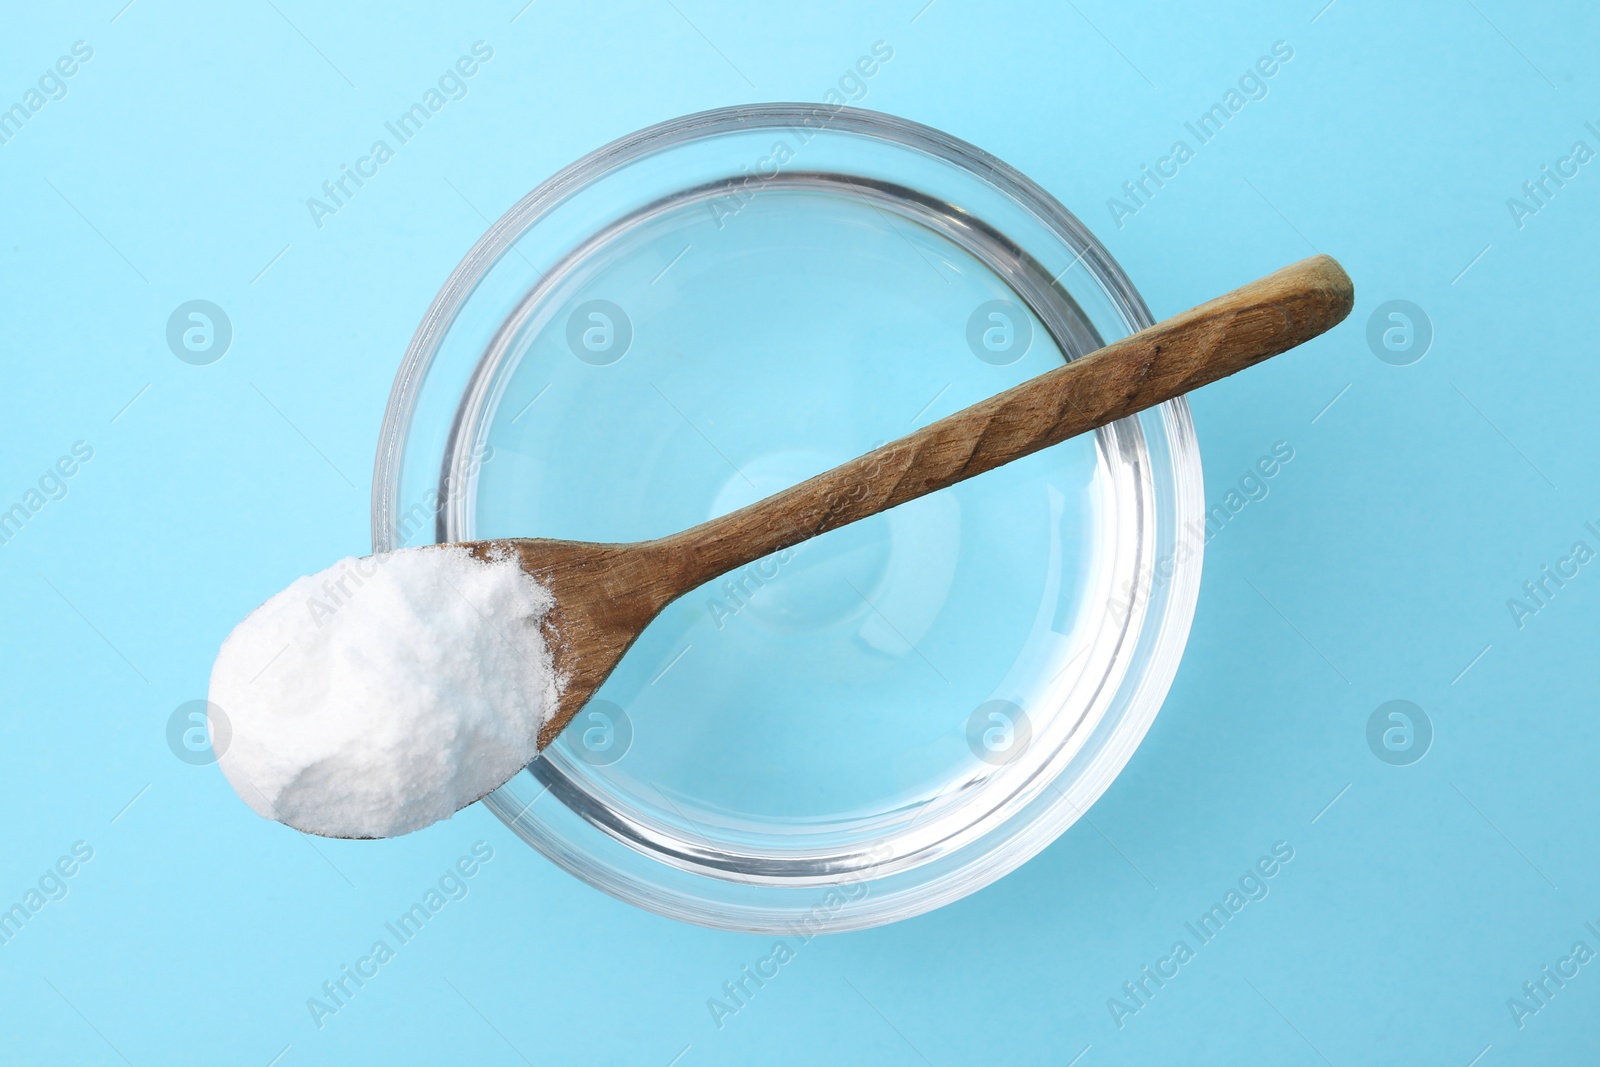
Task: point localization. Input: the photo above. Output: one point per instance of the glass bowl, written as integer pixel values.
(891, 716)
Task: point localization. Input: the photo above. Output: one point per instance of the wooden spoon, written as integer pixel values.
(606, 594)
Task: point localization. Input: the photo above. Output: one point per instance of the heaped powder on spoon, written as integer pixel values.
(387, 692)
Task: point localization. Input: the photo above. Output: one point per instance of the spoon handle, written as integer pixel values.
(1191, 349)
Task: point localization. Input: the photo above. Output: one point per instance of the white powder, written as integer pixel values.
(385, 693)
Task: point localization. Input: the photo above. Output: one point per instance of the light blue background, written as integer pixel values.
(177, 167)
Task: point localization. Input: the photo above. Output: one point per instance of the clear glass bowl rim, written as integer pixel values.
(1172, 606)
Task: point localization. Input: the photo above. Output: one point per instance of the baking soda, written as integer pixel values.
(386, 692)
